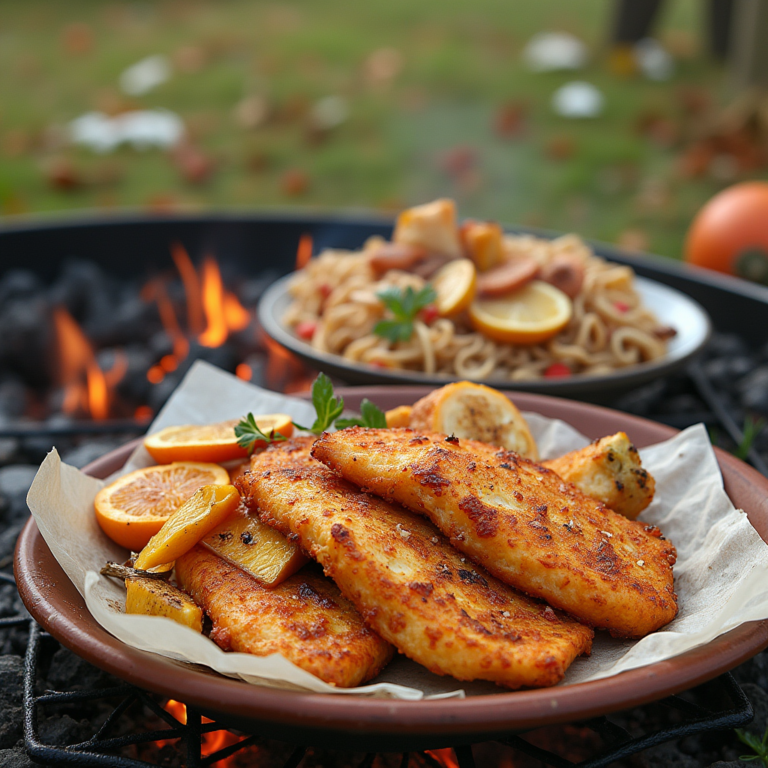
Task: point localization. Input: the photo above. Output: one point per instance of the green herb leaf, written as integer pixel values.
(248, 434)
(327, 407)
(371, 416)
(752, 428)
(404, 305)
(760, 746)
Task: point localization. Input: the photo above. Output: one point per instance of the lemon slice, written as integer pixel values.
(534, 313)
(455, 285)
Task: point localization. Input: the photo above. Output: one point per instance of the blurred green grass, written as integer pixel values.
(425, 133)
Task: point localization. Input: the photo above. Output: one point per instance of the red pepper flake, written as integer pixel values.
(306, 329)
(429, 314)
(378, 364)
(325, 290)
(557, 371)
(620, 306)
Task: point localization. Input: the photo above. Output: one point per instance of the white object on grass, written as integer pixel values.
(578, 99)
(553, 51)
(144, 75)
(141, 128)
(654, 60)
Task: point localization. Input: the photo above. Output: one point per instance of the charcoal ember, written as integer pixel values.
(129, 321)
(83, 289)
(19, 284)
(62, 730)
(644, 400)
(759, 699)
(9, 446)
(723, 371)
(91, 450)
(680, 404)
(16, 758)
(68, 672)
(727, 345)
(11, 687)
(160, 344)
(8, 536)
(14, 485)
(754, 390)
(25, 338)
(667, 756)
(250, 291)
(134, 386)
(13, 397)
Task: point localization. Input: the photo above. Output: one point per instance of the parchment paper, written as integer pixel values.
(721, 575)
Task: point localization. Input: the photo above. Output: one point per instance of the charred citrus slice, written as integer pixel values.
(534, 313)
(455, 286)
(210, 506)
(134, 508)
(209, 442)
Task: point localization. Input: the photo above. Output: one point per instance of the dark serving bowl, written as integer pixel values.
(384, 724)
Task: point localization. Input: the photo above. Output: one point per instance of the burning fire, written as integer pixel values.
(212, 741)
(212, 311)
(87, 389)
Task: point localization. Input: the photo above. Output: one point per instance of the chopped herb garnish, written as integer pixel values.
(248, 434)
(404, 305)
(760, 746)
(327, 407)
(371, 416)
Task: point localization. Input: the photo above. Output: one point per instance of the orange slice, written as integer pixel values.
(192, 521)
(134, 508)
(533, 314)
(209, 442)
(455, 285)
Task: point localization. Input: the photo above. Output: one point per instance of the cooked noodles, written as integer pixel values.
(609, 329)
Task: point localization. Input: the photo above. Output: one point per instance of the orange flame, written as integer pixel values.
(86, 387)
(191, 282)
(212, 742)
(304, 251)
(223, 312)
(444, 757)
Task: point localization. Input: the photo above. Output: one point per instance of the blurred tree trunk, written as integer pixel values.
(749, 45)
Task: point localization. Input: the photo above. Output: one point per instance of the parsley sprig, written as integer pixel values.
(404, 305)
(327, 407)
(370, 416)
(248, 434)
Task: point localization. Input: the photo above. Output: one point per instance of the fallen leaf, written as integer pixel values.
(560, 148)
(294, 182)
(77, 39)
(383, 65)
(62, 175)
(509, 120)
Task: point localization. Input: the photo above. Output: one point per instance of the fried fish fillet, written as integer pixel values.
(411, 586)
(305, 619)
(519, 520)
(610, 471)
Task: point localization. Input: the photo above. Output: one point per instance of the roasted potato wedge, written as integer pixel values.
(610, 471)
(243, 540)
(155, 597)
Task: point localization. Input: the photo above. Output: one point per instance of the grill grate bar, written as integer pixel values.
(708, 393)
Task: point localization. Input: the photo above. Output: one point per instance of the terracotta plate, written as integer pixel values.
(378, 724)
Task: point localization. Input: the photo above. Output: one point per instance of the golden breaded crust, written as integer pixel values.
(411, 586)
(610, 471)
(305, 619)
(520, 521)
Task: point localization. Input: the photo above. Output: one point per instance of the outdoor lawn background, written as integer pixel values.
(248, 75)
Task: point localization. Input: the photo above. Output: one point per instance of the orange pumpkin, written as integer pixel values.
(730, 233)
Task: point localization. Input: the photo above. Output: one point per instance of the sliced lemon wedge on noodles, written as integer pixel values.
(530, 315)
(455, 285)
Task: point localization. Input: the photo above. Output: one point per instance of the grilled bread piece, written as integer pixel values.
(304, 619)
(411, 586)
(610, 471)
(519, 520)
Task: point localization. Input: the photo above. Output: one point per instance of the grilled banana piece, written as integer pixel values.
(408, 582)
(474, 412)
(519, 520)
(304, 619)
(154, 597)
(610, 471)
